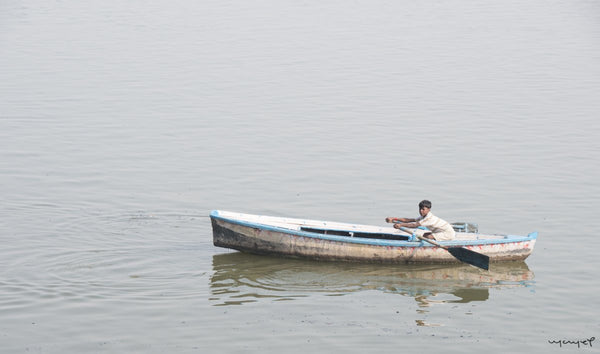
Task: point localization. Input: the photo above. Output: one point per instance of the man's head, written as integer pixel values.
(424, 207)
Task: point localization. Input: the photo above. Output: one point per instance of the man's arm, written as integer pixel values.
(397, 220)
(412, 225)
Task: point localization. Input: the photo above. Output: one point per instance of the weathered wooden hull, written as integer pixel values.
(248, 235)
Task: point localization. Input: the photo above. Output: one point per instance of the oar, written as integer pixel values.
(462, 254)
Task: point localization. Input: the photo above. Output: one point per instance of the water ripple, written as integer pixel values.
(240, 278)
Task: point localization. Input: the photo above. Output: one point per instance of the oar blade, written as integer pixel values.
(471, 257)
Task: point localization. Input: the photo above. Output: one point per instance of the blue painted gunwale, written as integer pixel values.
(377, 242)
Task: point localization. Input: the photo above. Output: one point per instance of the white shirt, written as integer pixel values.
(435, 224)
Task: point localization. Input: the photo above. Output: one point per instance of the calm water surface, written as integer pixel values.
(122, 124)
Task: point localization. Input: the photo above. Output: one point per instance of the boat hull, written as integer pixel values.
(272, 240)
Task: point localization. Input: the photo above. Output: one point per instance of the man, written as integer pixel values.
(440, 229)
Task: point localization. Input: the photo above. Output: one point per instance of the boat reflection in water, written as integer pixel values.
(240, 278)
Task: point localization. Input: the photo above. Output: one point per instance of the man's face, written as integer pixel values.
(424, 211)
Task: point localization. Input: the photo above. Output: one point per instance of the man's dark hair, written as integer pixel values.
(425, 204)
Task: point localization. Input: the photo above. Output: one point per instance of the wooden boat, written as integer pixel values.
(323, 240)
